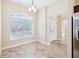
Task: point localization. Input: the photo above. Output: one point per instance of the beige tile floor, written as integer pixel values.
(35, 50)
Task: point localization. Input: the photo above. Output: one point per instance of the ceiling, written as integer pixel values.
(38, 3)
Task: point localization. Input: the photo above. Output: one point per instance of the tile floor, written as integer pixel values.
(35, 50)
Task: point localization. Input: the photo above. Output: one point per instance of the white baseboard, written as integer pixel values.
(3, 48)
(43, 42)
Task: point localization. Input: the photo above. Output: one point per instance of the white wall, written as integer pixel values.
(58, 8)
(9, 8)
(41, 25)
(69, 28)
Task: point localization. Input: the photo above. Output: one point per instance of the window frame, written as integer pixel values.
(33, 32)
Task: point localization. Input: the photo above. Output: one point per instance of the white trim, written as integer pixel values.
(17, 45)
(69, 28)
(43, 42)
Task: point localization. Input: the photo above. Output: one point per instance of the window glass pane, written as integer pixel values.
(21, 26)
(52, 29)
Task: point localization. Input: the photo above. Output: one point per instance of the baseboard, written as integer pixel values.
(43, 42)
(17, 45)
